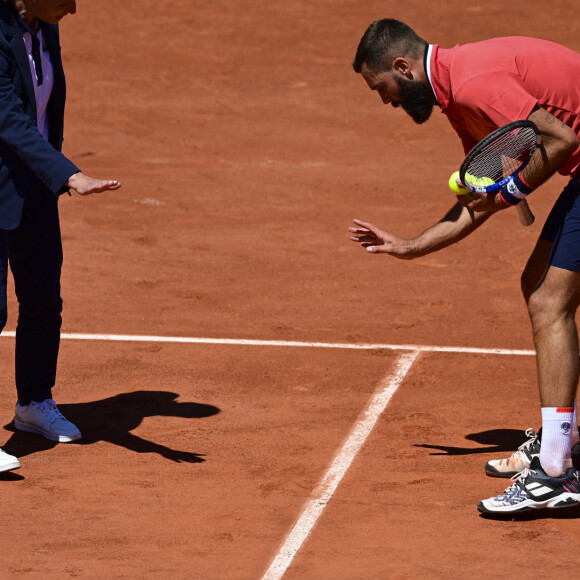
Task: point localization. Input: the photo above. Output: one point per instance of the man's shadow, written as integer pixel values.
(113, 419)
(495, 441)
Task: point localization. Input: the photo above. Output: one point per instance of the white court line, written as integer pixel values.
(287, 343)
(325, 489)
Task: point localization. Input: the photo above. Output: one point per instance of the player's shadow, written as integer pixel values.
(495, 441)
(113, 419)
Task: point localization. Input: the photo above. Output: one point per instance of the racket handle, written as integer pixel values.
(525, 213)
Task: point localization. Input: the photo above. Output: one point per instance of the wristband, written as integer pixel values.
(515, 190)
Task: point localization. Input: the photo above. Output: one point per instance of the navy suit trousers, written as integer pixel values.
(34, 253)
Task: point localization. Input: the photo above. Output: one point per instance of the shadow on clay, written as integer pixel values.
(112, 420)
(495, 441)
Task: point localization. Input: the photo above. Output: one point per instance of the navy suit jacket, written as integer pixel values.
(30, 166)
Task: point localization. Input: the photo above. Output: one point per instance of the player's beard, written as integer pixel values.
(416, 99)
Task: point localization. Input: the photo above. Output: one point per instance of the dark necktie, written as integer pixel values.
(36, 58)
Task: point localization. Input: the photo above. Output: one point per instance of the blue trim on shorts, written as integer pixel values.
(563, 228)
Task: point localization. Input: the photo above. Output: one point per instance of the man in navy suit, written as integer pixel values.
(33, 173)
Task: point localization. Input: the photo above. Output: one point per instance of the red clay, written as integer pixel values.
(246, 145)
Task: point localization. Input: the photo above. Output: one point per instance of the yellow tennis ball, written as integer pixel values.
(483, 181)
(454, 187)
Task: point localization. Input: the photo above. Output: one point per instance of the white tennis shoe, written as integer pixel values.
(519, 460)
(46, 420)
(523, 456)
(8, 462)
(534, 489)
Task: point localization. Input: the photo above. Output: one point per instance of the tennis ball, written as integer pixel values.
(481, 180)
(454, 187)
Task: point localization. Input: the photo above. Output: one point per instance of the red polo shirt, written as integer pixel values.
(484, 85)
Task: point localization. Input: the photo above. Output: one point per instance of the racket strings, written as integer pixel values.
(502, 157)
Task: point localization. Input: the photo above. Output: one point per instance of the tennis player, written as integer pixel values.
(480, 87)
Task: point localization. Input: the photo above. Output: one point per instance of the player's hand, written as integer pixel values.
(85, 185)
(378, 241)
(490, 202)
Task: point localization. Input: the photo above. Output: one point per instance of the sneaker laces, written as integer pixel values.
(532, 437)
(49, 407)
(521, 475)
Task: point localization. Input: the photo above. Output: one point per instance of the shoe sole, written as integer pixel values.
(562, 501)
(9, 466)
(50, 436)
(491, 471)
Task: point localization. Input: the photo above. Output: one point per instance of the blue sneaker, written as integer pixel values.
(534, 489)
(45, 419)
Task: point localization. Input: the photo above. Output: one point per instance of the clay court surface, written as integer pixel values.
(246, 145)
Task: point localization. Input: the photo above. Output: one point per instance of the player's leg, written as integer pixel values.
(536, 267)
(552, 309)
(35, 254)
(553, 296)
(532, 277)
(551, 481)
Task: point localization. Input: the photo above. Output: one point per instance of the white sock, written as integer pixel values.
(556, 448)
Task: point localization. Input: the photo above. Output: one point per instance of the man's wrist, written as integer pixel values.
(500, 201)
(515, 190)
(68, 182)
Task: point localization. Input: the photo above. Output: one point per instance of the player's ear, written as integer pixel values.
(402, 67)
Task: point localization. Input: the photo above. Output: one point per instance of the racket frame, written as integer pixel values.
(485, 142)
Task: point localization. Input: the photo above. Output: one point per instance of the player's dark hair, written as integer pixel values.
(383, 42)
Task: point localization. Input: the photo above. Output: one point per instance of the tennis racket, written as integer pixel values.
(497, 157)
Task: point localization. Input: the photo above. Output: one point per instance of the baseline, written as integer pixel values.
(288, 343)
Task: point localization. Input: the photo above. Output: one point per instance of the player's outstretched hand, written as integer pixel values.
(85, 185)
(378, 241)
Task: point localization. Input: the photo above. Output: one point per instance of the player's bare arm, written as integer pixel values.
(558, 142)
(85, 185)
(457, 224)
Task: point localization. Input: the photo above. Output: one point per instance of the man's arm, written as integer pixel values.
(458, 223)
(20, 137)
(558, 142)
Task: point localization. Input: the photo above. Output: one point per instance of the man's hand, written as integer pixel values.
(85, 185)
(490, 202)
(377, 241)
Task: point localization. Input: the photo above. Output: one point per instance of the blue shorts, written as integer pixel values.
(563, 228)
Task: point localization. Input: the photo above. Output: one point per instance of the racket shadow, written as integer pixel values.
(495, 441)
(112, 420)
